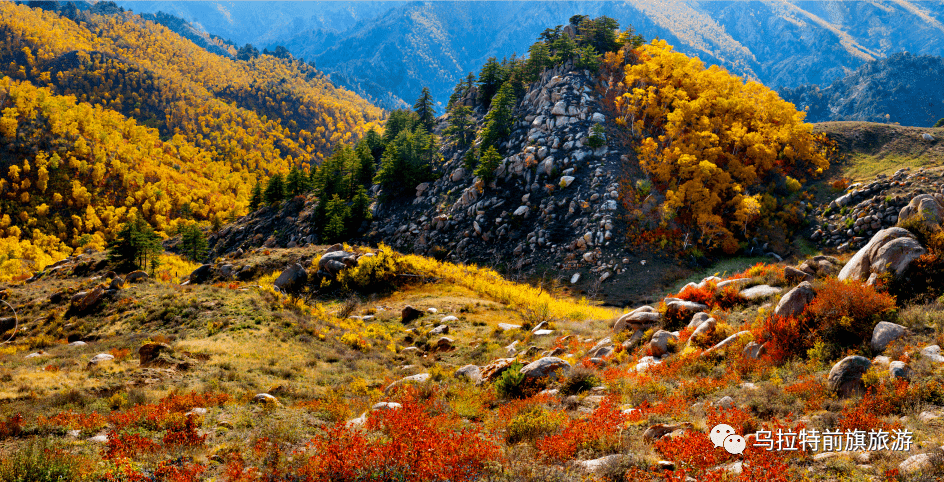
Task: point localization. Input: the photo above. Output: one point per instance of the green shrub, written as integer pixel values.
(511, 383)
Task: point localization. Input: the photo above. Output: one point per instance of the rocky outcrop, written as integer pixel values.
(926, 208)
(845, 378)
(885, 333)
(890, 250)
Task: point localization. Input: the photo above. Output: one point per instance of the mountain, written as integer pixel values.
(391, 51)
(176, 133)
(902, 88)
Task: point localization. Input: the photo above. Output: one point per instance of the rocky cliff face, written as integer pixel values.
(554, 202)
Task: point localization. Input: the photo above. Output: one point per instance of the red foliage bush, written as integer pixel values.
(121, 445)
(600, 432)
(415, 447)
(844, 312)
(867, 413)
(785, 336)
(11, 426)
(692, 451)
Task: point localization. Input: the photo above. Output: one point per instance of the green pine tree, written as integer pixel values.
(499, 118)
(460, 124)
(939, 123)
(256, 198)
(193, 243)
(492, 76)
(136, 245)
(275, 191)
(424, 109)
(487, 164)
(337, 213)
(296, 183)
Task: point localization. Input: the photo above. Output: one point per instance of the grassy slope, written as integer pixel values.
(882, 148)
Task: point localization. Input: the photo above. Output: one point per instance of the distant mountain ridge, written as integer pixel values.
(903, 88)
(387, 51)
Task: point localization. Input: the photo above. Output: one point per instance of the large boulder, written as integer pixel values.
(794, 302)
(547, 367)
(928, 208)
(473, 373)
(845, 378)
(890, 250)
(292, 279)
(675, 309)
(659, 344)
(644, 316)
(759, 292)
(409, 314)
(87, 301)
(334, 262)
(201, 274)
(885, 333)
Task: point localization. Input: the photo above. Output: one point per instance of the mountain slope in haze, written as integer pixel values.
(390, 51)
(903, 88)
(261, 22)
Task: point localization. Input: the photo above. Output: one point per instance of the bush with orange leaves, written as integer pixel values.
(413, 445)
(711, 295)
(599, 433)
(844, 313)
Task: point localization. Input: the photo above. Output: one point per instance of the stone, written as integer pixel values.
(885, 333)
(200, 275)
(682, 308)
(575, 278)
(473, 373)
(566, 181)
(890, 249)
(494, 369)
(915, 463)
(794, 302)
(933, 353)
(439, 330)
(458, 175)
(410, 380)
(644, 316)
(135, 276)
(444, 343)
(725, 402)
(99, 439)
(845, 377)
(698, 319)
(409, 314)
(927, 137)
(924, 207)
(88, 300)
(646, 362)
(100, 358)
(601, 465)
(265, 399)
(759, 292)
(380, 406)
(508, 327)
(116, 283)
(727, 342)
(546, 367)
(704, 329)
(899, 370)
(449, 319)
(794, 275)
(333, 262)
(292, 279)
(736, 282)
(754, 350)
(150, 352)
(659, 430)
(660, 343)
(77, 343)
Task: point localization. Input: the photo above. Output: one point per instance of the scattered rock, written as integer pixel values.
(794, 302)
(660, 430)
(682, 308)
(927, 208)
(885, 333)
(493, 370)
(794, 275)
(265, 399)
(293, 279)
(100, 358)
(473, 373)
(333, 262)
(845, 378)
(448, 319)
(933, 353)
(508, 327)
(547, 367)
(200, 275)
(409, 314)
(439, 330)
(601, 465)
(135, 276)
(759, 292)
(754, 350)
(644, 316)
(410, 380)
(899, 370)
(659, 344)
(727, 342)
(88, 300)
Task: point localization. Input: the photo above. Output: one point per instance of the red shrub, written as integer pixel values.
(692, 451)
(600, 432)
(11, 426)
(785, 337)
(866, 414)
(812, 391)
(844, 312)
(123, 445)
(184, 434)
(415, 447)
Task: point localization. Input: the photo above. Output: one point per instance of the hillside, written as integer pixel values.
(137, 121)
(902, 88)
(434, 44)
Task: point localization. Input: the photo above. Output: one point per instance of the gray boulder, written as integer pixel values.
(794, 302)
(334, 262)
(473, 373)
(885, 333)
(759, 292)
(201, 274)
(410, 380)
(547, 367)
(845, 378)
(891, 249)
(682, 308)
(292, 279)
(644, 316)
(659, 344)
(929, 208)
